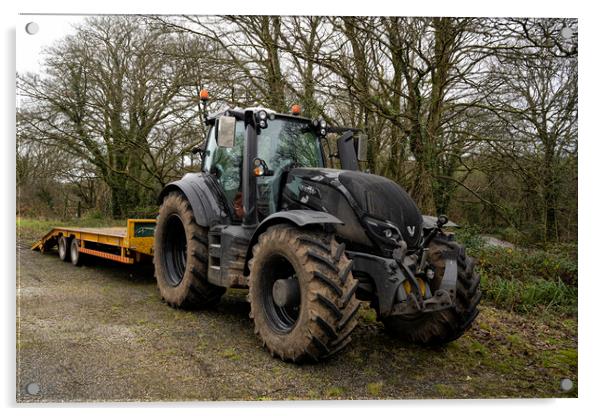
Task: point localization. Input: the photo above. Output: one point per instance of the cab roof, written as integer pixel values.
(239, 112)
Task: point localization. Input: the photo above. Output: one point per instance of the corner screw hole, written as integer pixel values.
(32, 28)
(32, 388)
(566, 384)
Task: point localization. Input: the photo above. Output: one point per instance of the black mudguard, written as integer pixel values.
(203, 193)
(298, 217)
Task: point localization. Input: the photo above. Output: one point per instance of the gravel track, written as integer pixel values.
(102, 333)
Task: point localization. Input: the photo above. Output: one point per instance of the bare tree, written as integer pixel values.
(112, 96)
(535, 105)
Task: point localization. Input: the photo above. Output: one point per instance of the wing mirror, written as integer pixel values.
(226, 131)
(362, 147)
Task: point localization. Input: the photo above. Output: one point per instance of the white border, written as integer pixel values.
(589, 191)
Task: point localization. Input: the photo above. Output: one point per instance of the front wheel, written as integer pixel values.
(444, 326)
(302, 293)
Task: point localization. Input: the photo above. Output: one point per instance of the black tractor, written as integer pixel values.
(309, 242)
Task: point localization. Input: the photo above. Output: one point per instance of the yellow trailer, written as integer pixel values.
(130, 244)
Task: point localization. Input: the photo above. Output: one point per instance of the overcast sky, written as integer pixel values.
(51, 29)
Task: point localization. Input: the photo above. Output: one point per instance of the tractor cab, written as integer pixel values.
(285, 141)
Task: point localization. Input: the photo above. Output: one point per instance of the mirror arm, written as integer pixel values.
(205, 113)
(198, 150)
(249, 181)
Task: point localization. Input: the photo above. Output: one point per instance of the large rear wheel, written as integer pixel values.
(302, 293)
(180, 256)
(449, 324)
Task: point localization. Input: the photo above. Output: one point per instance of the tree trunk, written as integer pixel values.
(271, 33)
(550, 195)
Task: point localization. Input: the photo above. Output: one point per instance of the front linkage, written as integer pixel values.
(407, 285)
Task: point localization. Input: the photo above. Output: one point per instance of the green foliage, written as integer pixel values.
(144, 211)
(529, 296)
(95, 215)
(551, 265)
(568, 251)
(470, 237)
(525, 279)
(515, 236)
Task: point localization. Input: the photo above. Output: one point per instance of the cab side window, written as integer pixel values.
(226, 163)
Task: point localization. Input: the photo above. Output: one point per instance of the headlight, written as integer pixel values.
(263, 115)
(385, 230)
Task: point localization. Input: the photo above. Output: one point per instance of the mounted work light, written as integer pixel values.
(262, 115)
(322, 124)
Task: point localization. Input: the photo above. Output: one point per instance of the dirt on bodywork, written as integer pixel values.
(101, 333)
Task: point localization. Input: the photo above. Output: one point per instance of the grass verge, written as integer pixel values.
(526, 279)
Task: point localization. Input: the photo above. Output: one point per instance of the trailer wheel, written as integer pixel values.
(302, 293)
(180, 257)
(75, 253)
(64, 249)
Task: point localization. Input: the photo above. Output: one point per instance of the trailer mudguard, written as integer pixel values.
(298, 217)
(202, 191)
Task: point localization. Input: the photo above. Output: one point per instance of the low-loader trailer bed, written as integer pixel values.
(130, 244)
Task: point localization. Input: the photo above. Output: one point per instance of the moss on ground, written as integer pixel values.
(374, 389)
(334, 391)
(446, 391)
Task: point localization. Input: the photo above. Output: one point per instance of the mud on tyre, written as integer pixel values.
(180, 256)
(319, 322)
(444, 326)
